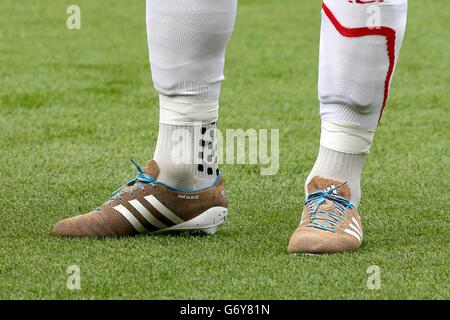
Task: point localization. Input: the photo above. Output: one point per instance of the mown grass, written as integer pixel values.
(76, 105)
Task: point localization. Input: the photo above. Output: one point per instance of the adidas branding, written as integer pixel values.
(168, 214)
(189, 197)
(355, 229)
(332, 187)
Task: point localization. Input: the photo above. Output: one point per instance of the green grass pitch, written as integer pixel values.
(76, 105)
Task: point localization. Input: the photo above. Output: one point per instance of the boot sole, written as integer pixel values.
(207, 222)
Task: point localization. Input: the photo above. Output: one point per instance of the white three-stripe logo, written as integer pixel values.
(131, 219)
(161, 208)
(146, 214)
(355, 229)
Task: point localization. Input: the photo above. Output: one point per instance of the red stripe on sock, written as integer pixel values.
(364, 1)
(387, 32)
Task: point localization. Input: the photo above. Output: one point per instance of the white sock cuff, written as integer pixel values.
(187, 110)
(345, 137)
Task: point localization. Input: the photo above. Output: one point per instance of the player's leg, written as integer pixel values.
(181, 188)
(359, 47)
(187, 41)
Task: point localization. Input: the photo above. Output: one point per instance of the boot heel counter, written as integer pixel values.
(221, 194)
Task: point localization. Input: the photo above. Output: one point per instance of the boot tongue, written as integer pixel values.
(325, 184)
(151, 169)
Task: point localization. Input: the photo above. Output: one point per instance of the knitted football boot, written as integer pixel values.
(329, 223)
(144, 205)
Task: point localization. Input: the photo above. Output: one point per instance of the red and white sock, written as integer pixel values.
(359, 47)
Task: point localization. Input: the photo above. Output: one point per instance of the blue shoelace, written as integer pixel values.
(317, 198)
(138, 182)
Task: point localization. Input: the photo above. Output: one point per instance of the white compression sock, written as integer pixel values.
(340, 166)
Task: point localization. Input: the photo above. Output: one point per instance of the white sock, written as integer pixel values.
(187, 155)
(187, 42)
(359, 47)
(340, 166)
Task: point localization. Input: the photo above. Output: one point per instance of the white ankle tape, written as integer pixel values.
(187, 110)
(346, 137)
